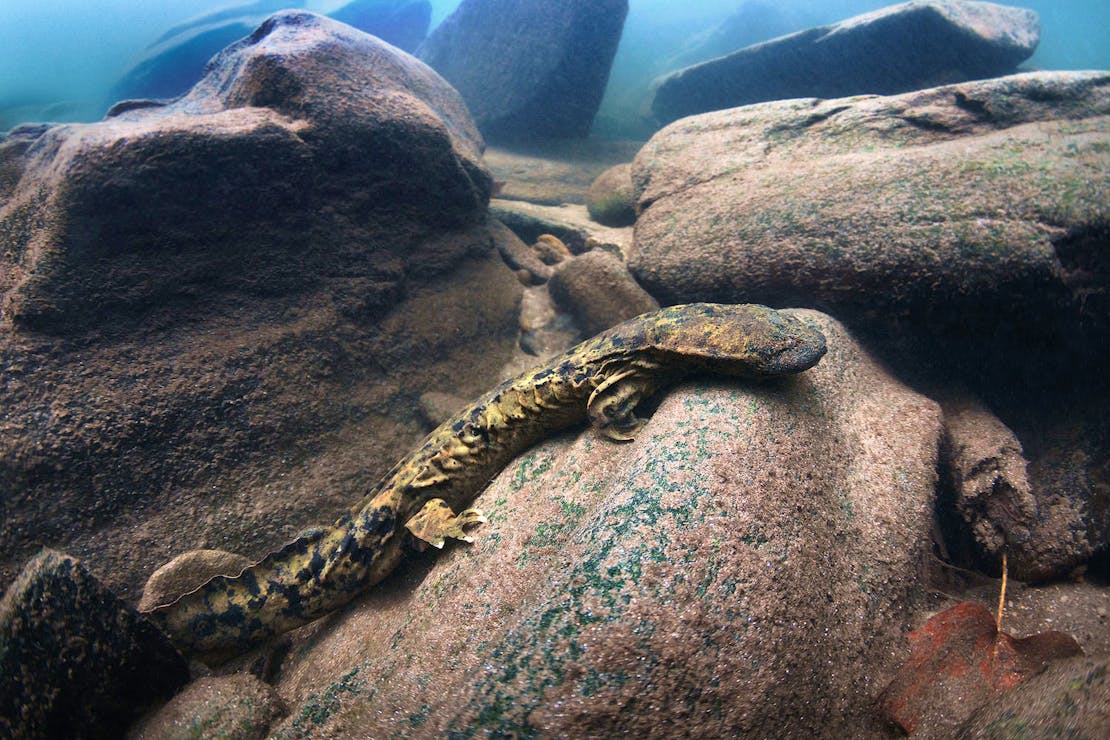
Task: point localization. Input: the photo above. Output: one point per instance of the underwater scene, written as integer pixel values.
(519, 368)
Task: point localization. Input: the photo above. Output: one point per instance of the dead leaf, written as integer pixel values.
(958, 660)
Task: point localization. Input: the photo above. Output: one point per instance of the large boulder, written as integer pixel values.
(751, 22)
(303, 116)
(217, 315)
(904, 47)
(971, 215)
(75, 661)
(963, 228)
(746, 566)
(177, 60)
(529, 69)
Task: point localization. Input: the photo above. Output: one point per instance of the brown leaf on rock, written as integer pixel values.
(958, 660)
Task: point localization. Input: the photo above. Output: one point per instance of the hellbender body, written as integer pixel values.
(602, 379)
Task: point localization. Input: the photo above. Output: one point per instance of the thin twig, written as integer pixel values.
(1001, 594)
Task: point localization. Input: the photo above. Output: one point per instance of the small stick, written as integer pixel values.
(1001, 594)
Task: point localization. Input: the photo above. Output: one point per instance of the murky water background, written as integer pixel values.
(60, 58)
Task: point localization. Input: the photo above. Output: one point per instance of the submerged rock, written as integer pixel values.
(177, 61)
(1048, 512)
(747, 565)
(598, 291)
(551, 250)
(237, 706)
(1069, 699)
(278, 127)
(985, 471)
(215, 314)
(611, 199)
(187, 572)
(554, 171)
(970, 217)
(528, 69)
(904, 47)
(75, 661)
(963, 229)
(519, 256)
(571, 224)
(403, 23)
(1068, 445)
(751, 22)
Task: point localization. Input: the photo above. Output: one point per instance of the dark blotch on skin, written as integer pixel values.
(658, 348)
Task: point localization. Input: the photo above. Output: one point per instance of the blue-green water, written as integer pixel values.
(60, 58)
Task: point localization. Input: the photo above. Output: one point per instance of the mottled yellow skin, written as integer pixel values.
(602, 379)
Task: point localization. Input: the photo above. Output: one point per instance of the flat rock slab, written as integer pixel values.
(555, 171)
(528, 68)
(944, 212)
(571, 223)
(75, 661)
(904, 47)
(747, 565)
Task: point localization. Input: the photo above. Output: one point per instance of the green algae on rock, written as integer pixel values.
(237, 706)
(743, 566)
(611, 199)
(604, 379)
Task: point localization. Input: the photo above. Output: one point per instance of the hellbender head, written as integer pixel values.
(746, 340)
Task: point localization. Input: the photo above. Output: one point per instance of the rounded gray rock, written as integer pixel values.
(611, 200)
(597, 289)
(187, 572)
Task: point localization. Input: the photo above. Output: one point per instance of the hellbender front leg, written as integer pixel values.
(435, 522)
(612, 404)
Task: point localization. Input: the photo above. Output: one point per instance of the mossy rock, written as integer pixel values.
(611, 199)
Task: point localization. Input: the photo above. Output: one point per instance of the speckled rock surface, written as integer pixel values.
(747, 565)
(528, 68)
(75, 661)
(216, 315)
(238, 706)
(610, 199)
(1046, 504)
(186, 572)
(985, 473)
(597, 289)
(1070, 699)
(902, 47)
(570, 223)
(965, 222)
(1067, 443)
